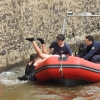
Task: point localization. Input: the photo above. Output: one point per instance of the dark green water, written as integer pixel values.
(12, 89)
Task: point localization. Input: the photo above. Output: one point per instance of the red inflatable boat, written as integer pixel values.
(73, 68)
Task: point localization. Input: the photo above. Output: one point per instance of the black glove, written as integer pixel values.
(41, 40)
(30, 39)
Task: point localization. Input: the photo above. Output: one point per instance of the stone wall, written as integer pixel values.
(41, 18)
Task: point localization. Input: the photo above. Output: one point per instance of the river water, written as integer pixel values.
(12, 89)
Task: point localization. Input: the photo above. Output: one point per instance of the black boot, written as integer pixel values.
(30, 39)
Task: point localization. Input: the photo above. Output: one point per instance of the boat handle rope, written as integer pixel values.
(60, 69)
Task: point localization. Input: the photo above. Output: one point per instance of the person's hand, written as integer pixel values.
(41, 40)
(30, 39)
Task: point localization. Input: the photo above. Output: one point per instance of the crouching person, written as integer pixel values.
(92, 51)
(29, 70)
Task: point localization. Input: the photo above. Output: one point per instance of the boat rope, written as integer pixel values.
(60, 69)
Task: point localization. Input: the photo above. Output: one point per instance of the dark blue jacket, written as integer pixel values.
(61, 50)
(94, 49)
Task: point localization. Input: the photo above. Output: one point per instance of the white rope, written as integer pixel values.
(60, 69)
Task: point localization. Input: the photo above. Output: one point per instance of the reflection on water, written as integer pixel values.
(12, 89)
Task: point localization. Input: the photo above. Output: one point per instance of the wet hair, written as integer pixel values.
(90, 38)
(33, 57)
(60, 37)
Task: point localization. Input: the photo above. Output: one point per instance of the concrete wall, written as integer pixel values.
(41, 18)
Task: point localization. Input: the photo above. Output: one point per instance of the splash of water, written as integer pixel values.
(9, 78)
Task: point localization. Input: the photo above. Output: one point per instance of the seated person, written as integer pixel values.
(92, 51)
(60, 46)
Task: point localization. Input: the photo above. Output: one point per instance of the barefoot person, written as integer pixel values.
(34, 61)
(41, 54)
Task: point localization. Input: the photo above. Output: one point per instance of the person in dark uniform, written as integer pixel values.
(92, 51)
(29, 70)
(60, 46)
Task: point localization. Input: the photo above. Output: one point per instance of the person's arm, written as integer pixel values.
(49, 50)
(82, 54)
(91, 52)
(68, 49)
(50, 47)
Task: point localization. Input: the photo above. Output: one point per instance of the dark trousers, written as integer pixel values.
(96, 59)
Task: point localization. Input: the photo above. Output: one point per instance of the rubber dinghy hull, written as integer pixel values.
(74, 68)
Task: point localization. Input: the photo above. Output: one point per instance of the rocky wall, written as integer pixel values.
(41, 18)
